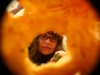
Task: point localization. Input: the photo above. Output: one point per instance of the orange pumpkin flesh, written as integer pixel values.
(75, 19)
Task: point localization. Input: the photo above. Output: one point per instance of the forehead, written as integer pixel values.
(47, 34)
(51, 34)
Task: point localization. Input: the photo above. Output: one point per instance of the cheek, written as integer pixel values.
(54, 45)
(39, 44)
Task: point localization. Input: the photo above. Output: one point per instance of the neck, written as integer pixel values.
(44, 58)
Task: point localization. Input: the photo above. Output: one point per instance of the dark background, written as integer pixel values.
(3, 5)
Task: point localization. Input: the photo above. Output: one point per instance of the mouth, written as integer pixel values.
(46, 47)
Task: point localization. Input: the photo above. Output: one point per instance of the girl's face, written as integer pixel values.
(47, 44)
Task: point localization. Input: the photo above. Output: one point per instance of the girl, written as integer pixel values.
(45, 46)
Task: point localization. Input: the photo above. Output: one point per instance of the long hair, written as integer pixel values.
(39, 58)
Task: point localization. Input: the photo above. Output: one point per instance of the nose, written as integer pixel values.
(47, 41)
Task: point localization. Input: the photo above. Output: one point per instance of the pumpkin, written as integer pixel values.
(77, 19)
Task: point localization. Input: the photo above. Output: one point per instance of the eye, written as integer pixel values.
(43, 37)
(53, 39)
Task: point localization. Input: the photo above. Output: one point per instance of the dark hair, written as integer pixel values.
(39, 58)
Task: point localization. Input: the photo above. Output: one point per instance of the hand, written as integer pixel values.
(58, 52)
